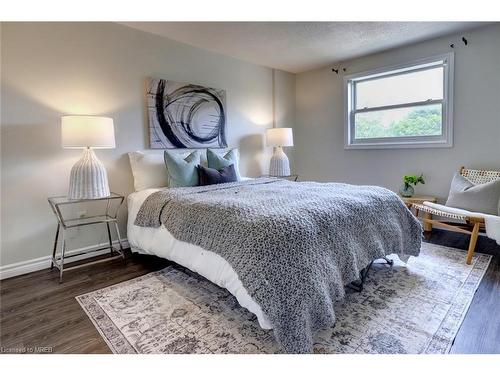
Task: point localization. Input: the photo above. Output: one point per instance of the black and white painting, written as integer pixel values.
(182, 115)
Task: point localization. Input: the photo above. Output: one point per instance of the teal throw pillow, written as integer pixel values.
(219, 162)
(182, 171)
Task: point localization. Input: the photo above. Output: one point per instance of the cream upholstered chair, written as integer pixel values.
(467, 224)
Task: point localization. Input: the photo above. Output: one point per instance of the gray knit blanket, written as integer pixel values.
(293, 245)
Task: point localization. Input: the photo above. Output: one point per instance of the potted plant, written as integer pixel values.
(407, 189)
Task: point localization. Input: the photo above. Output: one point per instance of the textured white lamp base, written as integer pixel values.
(280, 166)
(88, 179)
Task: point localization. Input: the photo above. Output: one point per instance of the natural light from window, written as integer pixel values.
(407, 106)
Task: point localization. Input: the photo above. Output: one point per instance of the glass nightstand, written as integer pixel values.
(292, 177)
(74, 213)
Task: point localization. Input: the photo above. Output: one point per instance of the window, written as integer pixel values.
(404, 106)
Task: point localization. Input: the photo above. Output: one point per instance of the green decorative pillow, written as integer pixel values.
(182, 171)
(219, 162)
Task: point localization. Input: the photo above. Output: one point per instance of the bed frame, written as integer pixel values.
(359, 284)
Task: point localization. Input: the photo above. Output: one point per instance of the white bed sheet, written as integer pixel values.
(159, 242)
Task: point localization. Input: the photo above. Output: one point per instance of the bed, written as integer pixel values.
(285, 250)
(160, 242)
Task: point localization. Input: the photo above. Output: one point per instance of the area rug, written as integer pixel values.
(416, 307)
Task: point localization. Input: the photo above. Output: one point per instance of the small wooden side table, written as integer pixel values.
(419, 199)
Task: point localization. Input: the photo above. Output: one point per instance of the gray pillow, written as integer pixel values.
(483, 198)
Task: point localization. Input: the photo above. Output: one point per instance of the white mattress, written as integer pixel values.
(159, 242)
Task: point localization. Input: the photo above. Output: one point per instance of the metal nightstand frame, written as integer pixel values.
(64, 224)
(292, 177)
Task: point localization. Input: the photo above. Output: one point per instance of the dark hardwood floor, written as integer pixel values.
(37, 312)
(480, 330)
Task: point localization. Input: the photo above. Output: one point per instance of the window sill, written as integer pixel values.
(389, 145)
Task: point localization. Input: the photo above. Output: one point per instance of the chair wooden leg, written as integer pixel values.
(472, 243)
(427, 225)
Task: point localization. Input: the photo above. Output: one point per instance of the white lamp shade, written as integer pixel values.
(279, 137)
(87, 131)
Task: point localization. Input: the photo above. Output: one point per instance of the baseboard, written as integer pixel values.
(37, 264)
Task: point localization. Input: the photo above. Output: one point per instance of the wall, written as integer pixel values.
(52, 69)
(319, 132)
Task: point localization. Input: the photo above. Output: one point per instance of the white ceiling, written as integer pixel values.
(299, 46)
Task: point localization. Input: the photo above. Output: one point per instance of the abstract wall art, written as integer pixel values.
(183, 115)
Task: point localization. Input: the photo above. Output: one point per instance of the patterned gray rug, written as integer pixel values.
(408, 308)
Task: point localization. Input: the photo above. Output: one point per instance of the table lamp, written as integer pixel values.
(279, 138)
(88, 178)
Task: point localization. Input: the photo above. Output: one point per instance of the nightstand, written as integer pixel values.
(292, 177)
(419, 199)
(74, 213)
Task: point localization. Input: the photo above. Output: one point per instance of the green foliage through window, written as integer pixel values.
(401, 122)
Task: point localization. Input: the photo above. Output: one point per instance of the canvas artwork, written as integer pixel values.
(182, 115)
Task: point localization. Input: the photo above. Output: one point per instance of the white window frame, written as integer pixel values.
(443, 140)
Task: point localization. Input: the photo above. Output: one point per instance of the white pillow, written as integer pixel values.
(149, 171)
